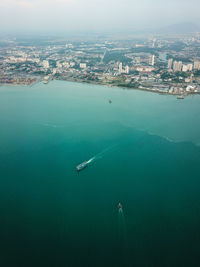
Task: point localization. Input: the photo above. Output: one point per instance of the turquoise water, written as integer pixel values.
(148, 158)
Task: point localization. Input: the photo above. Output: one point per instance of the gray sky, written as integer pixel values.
(94, 15)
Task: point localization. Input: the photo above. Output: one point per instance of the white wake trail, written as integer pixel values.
(101, 154)
(90, 160)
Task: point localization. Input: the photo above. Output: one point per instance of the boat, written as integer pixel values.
(110, 101)
(81, 166)
(180, 97)
(120, 206)
(46, 79)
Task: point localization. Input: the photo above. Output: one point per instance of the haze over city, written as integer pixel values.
(94, 15)
(99, 133)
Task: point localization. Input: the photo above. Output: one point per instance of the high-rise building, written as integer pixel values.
(185, 68)
(170, 62)
(120, 67)
(180, 64)
(197, 65)
(152, 60)
(190, 67)
(127, 69)
(177, 66)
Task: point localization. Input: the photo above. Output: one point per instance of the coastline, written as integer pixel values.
(151, 90)
(160, 92)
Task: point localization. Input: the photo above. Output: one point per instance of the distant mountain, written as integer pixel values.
(180, 28)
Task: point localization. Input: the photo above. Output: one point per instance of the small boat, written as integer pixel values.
(120, 206)
(110, 101)
(180, 97)
(81, 166)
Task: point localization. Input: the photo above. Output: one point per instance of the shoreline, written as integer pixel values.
(132, 88)
(160, 92)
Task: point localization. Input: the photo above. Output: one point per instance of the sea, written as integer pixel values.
(145, 154)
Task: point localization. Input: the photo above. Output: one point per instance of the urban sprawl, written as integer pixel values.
(165, 65)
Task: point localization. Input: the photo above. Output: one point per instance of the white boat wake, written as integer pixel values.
(90, 160)
(101, 154)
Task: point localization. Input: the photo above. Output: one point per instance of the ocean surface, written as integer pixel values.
(146, 150)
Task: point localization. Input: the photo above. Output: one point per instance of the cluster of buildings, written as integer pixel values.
(125, 70)
(179, 66)
(152, 64)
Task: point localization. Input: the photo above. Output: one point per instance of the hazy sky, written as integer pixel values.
(95, 15)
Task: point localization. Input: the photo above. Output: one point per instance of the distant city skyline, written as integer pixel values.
(94, 15)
